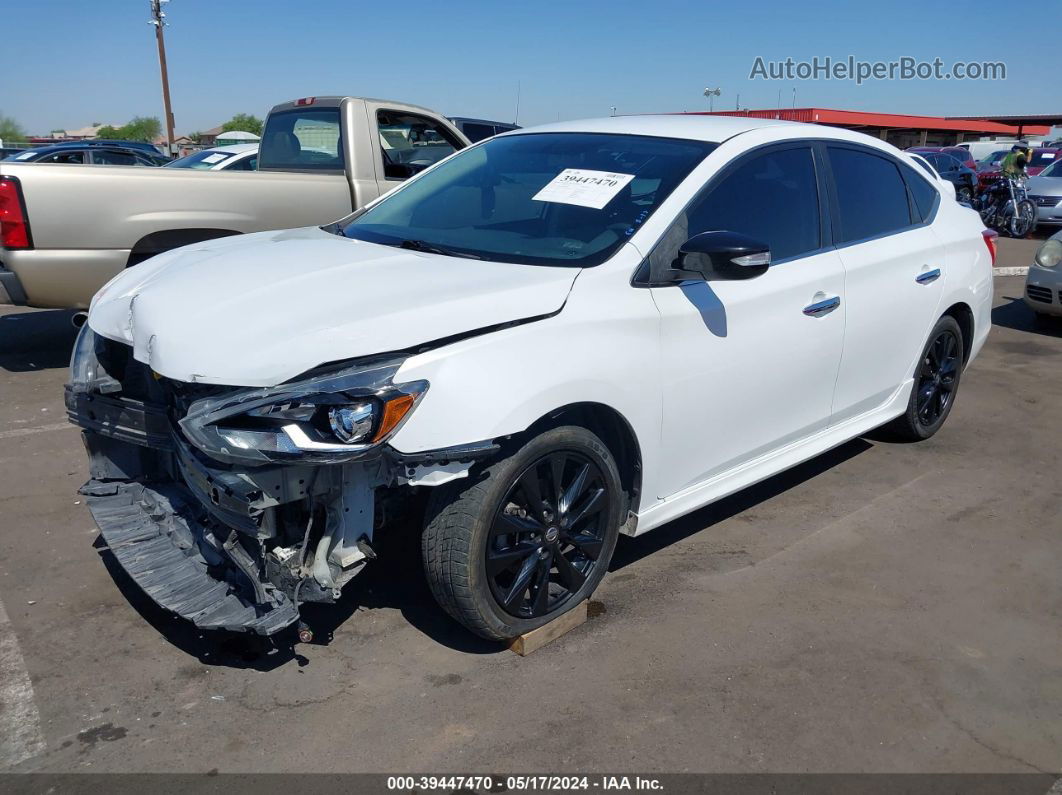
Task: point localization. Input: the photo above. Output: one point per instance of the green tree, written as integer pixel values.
(11, 130)
(141, 128)
(243, 122)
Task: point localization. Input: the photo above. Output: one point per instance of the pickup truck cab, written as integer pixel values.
(66, 230)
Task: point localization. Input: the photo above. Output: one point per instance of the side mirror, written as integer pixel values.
(723, 255)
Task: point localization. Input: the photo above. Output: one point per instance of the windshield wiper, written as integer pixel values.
(420, 245)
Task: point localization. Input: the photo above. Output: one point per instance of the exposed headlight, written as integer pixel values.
(86, 373)
(1049, 254)
(328, 419)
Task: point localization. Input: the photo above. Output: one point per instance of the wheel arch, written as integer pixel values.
(612, 428)
(166, 239)
(964, 316)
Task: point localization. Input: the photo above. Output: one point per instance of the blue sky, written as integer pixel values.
(66, 64)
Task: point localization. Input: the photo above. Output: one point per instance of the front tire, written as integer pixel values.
(527, 540)
(936, 384)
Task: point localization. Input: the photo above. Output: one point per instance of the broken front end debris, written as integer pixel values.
(232, 506)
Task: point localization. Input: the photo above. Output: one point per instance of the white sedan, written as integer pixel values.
(238, 157)
(555, 336)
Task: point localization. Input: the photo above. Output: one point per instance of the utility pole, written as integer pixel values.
(159, 21)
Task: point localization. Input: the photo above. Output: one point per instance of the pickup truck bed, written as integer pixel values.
(68, 229)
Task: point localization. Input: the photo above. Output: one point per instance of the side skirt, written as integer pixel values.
(772, 463)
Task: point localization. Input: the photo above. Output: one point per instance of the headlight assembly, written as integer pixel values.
(330, 418)
(1049, 254)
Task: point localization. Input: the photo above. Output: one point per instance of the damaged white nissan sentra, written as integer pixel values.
(557, 335)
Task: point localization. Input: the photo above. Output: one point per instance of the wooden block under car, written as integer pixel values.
(537, 638)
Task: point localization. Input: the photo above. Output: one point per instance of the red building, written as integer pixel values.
(903, 130)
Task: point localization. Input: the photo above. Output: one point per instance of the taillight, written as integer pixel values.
(14, 225)
(990, 236)
(305, 101)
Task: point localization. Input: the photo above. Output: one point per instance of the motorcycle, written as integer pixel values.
(1005, 206)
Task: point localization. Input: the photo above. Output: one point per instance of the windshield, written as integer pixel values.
(540, 199)
(1053, 170)
(1042, 157)
(204, 159)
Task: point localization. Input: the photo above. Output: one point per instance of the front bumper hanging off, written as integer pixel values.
(225, 542)
(152, 536)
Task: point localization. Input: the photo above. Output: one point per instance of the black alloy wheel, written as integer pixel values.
(526, 537)
(547, 535)
(936, 383)
(937, 378)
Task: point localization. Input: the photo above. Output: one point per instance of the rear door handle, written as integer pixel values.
(928, 276)
(824, 307)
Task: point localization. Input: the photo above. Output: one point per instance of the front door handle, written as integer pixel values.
(928, 276)
(824, 307)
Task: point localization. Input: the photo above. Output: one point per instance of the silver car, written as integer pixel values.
(1045, 191)
(1043, 285)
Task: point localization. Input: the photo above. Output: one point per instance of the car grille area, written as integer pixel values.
(1045, 201)
(1036, 293)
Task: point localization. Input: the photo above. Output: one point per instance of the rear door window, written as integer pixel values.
(301, 140)
(112, 157)
(871, 194)
(924, 194)
(64, 157)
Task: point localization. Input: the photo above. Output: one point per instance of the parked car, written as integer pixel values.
(1045, 191)
(80, 154)
(981, 149)
(319, 159)
(143, 146)
(992, 161)
(964, 179)
(1042, 157)
(476, 130)
(960, 154)
(1043, 284)
(238, 157)
(556, 336)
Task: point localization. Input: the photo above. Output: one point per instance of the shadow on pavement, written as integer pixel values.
(396, 581)
(38, 340)
(1016, 315)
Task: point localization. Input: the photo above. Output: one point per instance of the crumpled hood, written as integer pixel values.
(260, 309)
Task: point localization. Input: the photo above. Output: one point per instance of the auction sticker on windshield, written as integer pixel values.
(583, 187)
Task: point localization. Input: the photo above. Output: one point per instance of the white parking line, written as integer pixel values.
(55, 426)
(20, 724)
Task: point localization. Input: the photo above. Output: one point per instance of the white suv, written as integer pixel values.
(556, 336)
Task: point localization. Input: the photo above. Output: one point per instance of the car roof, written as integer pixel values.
(694, 127)
(470, 120)
(234, 148)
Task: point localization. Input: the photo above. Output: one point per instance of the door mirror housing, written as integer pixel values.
(722, 255)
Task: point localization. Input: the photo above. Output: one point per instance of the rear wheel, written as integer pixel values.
(935, 385)
(528, 540)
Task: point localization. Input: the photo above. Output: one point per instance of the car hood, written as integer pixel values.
(1044, 186)
(260, 309)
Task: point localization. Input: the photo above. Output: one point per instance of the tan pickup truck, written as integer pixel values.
(65, 230)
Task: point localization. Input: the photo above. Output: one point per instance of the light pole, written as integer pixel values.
(711, 93)
(158, 19)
